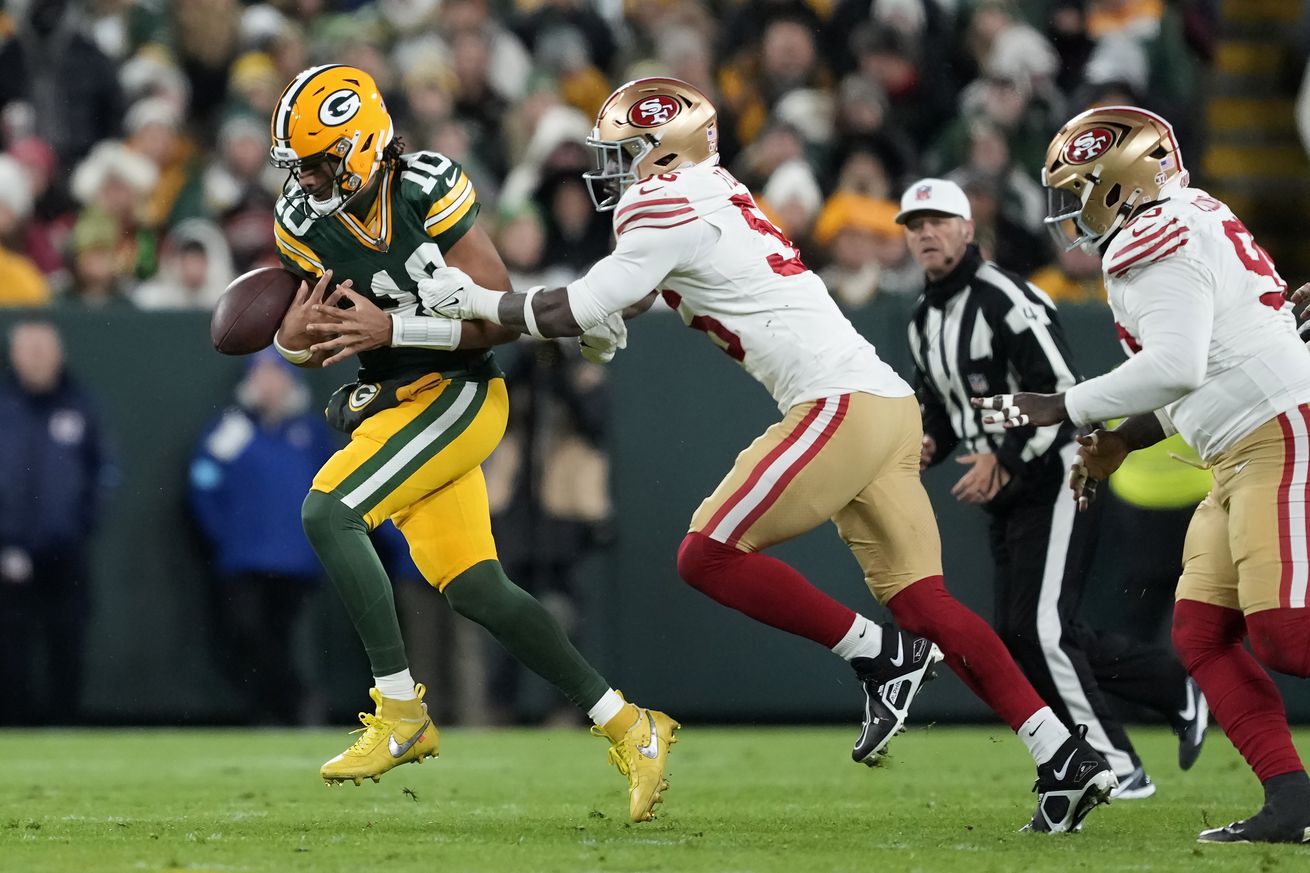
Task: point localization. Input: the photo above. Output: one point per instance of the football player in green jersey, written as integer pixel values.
(429, 406)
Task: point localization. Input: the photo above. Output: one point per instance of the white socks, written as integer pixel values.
(863, 640)
(397, 686)
(609, 705)
(1043, 734)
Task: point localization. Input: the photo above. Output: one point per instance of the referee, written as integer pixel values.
(977, 331)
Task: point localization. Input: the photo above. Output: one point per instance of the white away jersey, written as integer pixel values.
(698, 237)
(1197, 303)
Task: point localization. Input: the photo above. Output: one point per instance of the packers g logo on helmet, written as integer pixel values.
(333, 114)
(339, 107)
(1104, 165)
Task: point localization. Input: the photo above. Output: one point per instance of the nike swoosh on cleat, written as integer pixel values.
(651, 749)
(900, 652)
(1189, 712)
(398, 749)
(1064, 769)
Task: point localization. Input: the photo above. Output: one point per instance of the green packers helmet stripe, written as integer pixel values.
(415, 444)
(282, 117)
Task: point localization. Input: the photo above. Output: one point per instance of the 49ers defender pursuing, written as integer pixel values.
(1215, 357)
(847, 448)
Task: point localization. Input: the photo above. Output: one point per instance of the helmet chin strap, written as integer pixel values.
(337, 202)
(324, 208)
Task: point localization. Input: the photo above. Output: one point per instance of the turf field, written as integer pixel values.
(784, 799)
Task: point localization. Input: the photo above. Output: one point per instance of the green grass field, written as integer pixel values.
(784, 799)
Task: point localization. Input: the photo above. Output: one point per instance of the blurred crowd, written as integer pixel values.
(134, 173)
(135, 132)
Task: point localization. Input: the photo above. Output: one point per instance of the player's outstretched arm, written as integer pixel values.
(624, 278)
(476, 255)
(1023, 409)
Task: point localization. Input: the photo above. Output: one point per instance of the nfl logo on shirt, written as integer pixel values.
(978, 383)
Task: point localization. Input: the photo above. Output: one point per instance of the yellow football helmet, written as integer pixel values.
(331, 113)
(1103, 165)
(646, 127)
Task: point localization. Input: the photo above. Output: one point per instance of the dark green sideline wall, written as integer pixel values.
(682, 411)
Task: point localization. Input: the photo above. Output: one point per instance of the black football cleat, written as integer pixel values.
(1285, 817)
(1070, 785)
(891, 681)
(1263, 827)
(1193, 719)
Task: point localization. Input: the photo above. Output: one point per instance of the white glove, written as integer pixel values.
(602, 342)
(450, 293)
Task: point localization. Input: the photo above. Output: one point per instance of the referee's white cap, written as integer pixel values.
(934, 195)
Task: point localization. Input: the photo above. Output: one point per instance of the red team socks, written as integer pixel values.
(771, 592)
(762, 587)
(1280, 639)
(972, 648)
(1241, 695)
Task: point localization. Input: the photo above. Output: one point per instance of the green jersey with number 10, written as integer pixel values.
(424, 205)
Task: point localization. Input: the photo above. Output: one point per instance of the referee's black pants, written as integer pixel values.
(1043, 548)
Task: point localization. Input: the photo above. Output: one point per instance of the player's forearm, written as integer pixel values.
(551, 314)
(1141, 385)
(1141, 431)
(485, 334)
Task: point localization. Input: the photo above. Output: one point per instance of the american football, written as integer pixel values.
(250, 310)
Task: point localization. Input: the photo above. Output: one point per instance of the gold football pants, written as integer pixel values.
(418, 463)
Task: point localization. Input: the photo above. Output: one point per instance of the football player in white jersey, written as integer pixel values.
(846, 449)
(1215, 357)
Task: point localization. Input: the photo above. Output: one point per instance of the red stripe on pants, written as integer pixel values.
(763, 465)
(1284, 522)
(790, 473)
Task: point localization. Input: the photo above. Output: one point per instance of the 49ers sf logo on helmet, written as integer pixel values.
(1088, 145)
(653, 111)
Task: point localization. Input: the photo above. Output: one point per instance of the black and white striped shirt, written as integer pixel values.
(983, 331)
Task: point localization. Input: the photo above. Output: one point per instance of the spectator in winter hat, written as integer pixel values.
(195, 267)
(866, 249)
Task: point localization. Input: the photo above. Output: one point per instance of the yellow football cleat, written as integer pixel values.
(641, 751)
(400, 732)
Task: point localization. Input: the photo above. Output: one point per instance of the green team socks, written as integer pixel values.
(340, 537)
(522, 625)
